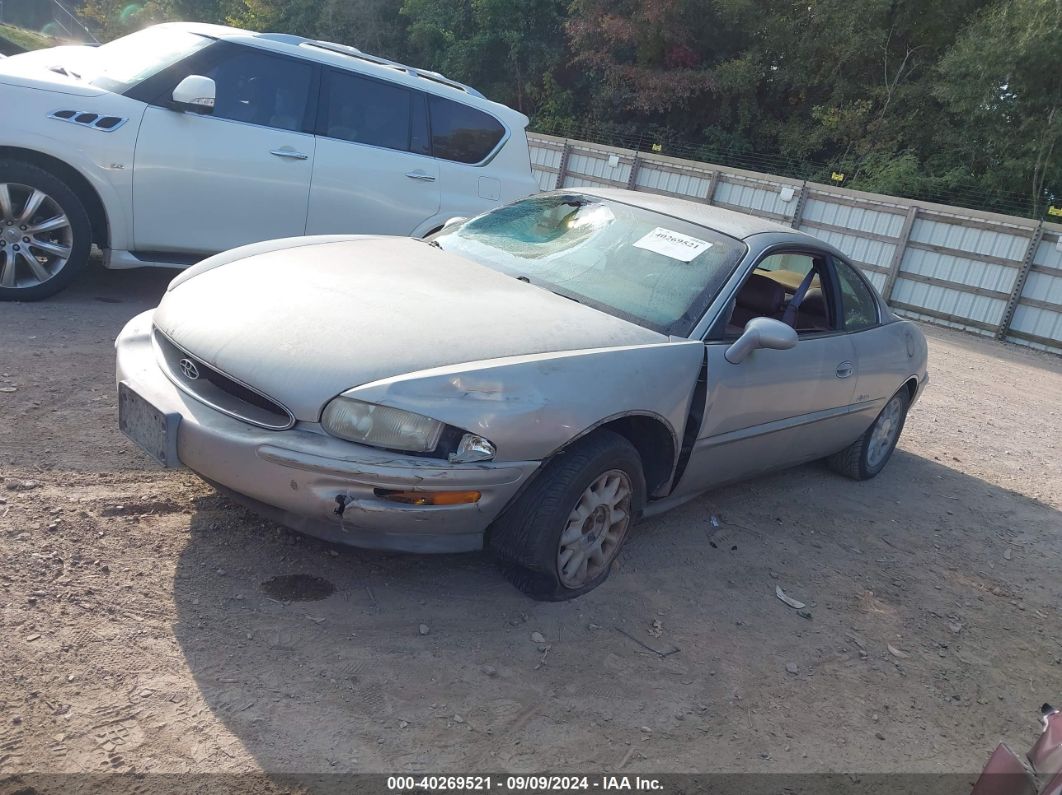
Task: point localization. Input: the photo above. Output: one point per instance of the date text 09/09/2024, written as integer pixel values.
(605, 783)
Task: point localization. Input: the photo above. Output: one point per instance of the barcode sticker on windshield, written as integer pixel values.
(672, 244)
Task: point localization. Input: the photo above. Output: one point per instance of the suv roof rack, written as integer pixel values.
(354, 52)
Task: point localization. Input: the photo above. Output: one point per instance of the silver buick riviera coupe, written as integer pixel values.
(530, 381)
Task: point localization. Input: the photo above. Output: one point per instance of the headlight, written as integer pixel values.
(381, 426)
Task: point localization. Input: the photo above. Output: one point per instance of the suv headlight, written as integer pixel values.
(381, 426)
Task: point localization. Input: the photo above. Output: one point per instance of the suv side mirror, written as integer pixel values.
(195, 93)
(761, 332)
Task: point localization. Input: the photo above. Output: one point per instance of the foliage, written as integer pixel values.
(13, 40)
(957, 100)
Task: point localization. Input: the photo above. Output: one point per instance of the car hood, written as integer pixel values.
(306, 323)
(36, 70)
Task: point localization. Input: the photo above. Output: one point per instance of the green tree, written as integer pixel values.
(1003, 80)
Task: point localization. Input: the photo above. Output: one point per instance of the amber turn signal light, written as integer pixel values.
(429, 497)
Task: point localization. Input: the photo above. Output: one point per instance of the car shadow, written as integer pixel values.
(402, 663)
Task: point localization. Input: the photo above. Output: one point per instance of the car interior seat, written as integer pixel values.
(760, 296)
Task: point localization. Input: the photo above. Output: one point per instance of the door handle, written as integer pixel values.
(289, 153)
(845, 369)
(423, 176)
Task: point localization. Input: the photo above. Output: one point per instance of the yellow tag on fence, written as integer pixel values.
(1052, 210)
(658, 147)
(837, 176)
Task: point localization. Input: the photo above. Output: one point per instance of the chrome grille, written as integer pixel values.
(218, 390)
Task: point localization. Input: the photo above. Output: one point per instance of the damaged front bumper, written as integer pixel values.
(313, 482)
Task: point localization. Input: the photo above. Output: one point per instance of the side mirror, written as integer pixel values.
(195, 93)
(457, 219)
(761, 332)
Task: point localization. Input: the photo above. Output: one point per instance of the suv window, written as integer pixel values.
(461, 133)
(259, 88)
(858, 305)
(367, 111)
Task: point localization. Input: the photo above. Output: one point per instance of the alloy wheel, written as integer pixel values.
(595, 529)
(36, 238)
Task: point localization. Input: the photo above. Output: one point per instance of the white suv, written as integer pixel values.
(184, 140)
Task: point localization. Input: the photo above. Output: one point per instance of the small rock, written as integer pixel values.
(8, 389)
(536, 637)
(792, 668)
(879, 735)
(1007, 554)
(424, 629)
(21, 485)
(647, 730)
(489, 670)
(33, 637)
(16, 719)
(458, 719)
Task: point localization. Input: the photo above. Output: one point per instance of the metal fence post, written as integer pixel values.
(1019, 281)
(632, 180)
(712, 183)
(898, 252)
(562, 169)
(798, 211)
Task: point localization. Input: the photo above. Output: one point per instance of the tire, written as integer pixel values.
(527, 539)
(868, 455)
(57, 228)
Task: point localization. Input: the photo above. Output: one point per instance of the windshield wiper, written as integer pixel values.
(527, 280)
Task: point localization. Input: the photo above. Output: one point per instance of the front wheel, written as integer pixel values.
(45, 233)
(559, 539)
(868, 455)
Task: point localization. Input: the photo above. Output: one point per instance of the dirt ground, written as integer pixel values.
(135, 634)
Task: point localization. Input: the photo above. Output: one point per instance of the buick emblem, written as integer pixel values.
(188, 369)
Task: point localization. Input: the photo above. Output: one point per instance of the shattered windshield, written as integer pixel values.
(652, 269)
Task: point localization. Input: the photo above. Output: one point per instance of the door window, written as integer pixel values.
(258, 88)
(858, 305)
(771, 288)
(461, 133)
(367, 111)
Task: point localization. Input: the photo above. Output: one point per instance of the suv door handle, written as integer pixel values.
(423, 176)
(289, 153)
(845, 369)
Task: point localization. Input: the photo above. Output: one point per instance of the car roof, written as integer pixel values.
(350, 58)
(729, 222)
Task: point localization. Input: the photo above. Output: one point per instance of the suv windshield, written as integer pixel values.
(119, 65)
(652, 269)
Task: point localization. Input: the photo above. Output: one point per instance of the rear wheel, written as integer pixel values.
(45, 233)
(868, 455)
(561, 536)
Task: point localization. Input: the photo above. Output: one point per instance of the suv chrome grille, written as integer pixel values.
(218, 390)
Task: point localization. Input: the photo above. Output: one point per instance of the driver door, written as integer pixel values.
(776, 408)
(207, 183)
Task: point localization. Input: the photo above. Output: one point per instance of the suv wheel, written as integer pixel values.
(561, 536)
(45, 233)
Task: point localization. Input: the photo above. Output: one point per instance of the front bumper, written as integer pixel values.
(295, 476)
